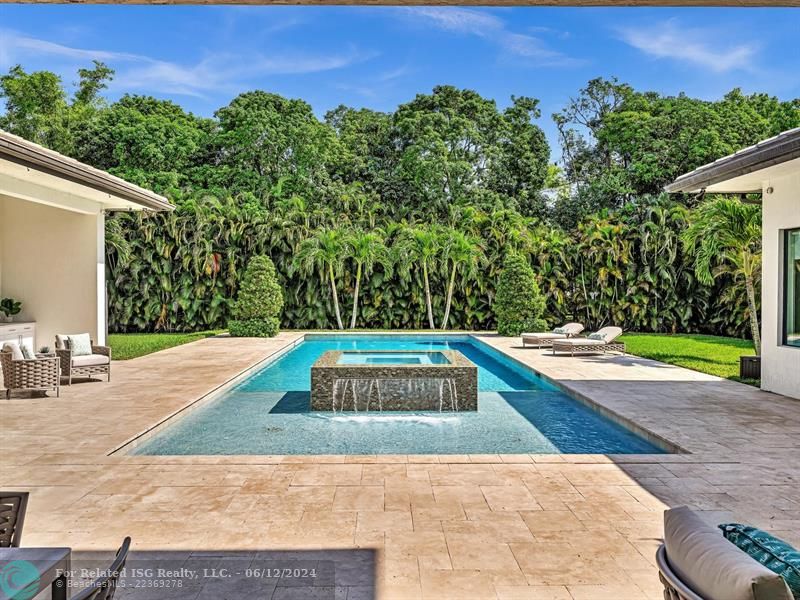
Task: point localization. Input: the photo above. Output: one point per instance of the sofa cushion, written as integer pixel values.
(16, 351)
(81, 344)
(89, 360)
(773, 553)
(713, 567)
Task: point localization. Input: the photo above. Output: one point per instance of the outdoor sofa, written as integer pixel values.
(80, 357)
(600, 341)
(546, 338)
(728, 562)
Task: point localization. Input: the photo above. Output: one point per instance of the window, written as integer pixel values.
(791, 289)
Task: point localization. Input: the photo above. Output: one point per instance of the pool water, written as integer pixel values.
(518, 413)
(392, 358)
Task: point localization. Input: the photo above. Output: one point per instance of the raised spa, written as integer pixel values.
(443, 380)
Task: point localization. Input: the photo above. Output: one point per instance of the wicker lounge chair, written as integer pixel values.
(96, 363)
(546, 338)
(12, 517)
(603, 342)
(40, 373)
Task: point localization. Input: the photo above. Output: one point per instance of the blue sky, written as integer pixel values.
(201, 57)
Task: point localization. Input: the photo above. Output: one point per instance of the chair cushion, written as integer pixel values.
(90, 360)
(773, 553)
(713, 567)
(81, 344)
(543, 336)
(16, 351)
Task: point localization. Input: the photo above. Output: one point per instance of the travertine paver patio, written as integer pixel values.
(487, 526)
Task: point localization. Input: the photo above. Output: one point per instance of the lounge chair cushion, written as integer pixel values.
(773, 553)
(543, 336)
(713, 567)
(582, 342)
(89, 360)
(16, 351)
(81, 344)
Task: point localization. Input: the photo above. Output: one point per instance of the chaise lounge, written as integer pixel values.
(600, 341)
(546, 338)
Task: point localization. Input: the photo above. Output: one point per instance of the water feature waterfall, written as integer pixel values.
(435, 393)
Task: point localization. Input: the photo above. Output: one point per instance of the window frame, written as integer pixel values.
(784, 288)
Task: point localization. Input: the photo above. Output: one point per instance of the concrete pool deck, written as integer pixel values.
(426, 526)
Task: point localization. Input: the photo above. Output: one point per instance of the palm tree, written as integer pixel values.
(725, 237)
(461, 251)
(366, 248)
(420, 245)
(326, 251)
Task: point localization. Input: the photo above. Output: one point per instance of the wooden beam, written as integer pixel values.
(485, 3)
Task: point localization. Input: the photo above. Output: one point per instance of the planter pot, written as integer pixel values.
(750, 367)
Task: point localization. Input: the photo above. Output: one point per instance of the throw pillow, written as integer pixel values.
(28, 353)
(597, 336)
(16, 351)
(80, 344)
(775, 554)
(559, 330)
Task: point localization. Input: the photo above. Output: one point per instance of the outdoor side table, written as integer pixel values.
(32, 569)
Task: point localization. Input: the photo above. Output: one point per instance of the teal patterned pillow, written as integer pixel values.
(597, 336)
(559, 330)
(81, 345)
(778, 556)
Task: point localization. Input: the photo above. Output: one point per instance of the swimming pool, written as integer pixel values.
(519, 412)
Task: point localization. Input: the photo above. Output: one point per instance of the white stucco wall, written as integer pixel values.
(52, 260)
(780, 365)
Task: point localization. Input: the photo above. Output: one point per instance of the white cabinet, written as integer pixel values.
(22, 333)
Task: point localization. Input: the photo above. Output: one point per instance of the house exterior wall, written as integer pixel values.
(52, 260)
(780, 365)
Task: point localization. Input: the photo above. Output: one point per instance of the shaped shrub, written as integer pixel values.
(258, 306)
(518, 305)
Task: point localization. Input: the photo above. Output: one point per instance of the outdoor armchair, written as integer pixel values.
(546, 338)
(98, 362)
(600, 341)
(40, 373)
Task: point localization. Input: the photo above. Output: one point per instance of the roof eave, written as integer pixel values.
(778, 150)
(40, 158)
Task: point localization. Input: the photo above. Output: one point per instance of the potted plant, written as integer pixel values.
(10, 307)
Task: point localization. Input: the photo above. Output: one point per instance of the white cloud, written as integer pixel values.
(136, 72)
(696, 46)
(488, 26)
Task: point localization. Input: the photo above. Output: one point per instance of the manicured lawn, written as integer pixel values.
(710, 354)
(131, 345)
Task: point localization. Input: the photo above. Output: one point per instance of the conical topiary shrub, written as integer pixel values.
(258, 306)
(518, 304)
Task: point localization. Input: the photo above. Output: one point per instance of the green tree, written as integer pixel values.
(259, 302)
(367, 249)
(462, 252)
(421, 245)
(325, 251)
(518, 305)
(724, 237)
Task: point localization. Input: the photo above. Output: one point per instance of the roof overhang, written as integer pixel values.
(31, 172)
(746, 170)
